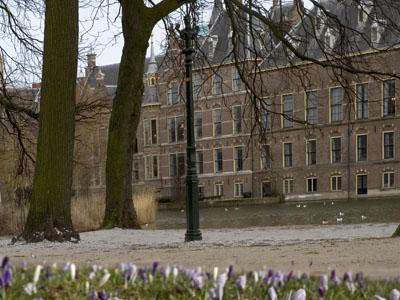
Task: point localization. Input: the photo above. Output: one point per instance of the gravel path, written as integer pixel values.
(364, 247)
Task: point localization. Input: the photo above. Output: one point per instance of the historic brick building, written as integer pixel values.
(303, 131)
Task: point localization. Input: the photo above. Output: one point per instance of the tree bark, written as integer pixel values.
(49, 216)
(138, 22)
(137, 25)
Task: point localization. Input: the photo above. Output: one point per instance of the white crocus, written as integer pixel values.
(30, 288)
(272, 294)
(167, 271)
(255, 275)
(300, 295)
(215, 273)
(105, 278)
(394, 294)
(36, 275)
(72, 269)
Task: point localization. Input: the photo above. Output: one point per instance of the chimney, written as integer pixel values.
(91, 63)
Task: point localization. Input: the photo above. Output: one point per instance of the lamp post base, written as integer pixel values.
(193, 235)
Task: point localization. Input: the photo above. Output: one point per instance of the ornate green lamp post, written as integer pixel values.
(192, 196)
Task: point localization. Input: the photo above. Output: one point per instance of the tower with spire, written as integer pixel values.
(152, 68)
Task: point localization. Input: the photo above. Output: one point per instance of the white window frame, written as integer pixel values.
(170, 93)
(331, 149)
(307, 143)
(289, 123)
(313, 188)
(234, 120)
(269, 163)
(148, 140)
(238, 188)
(236, 79)
(357, 156)
(336, 189)
(219, 189)
(366, 103)
(151, 176)
(215, 160)
(290, 185)
(341, 104)
(213, 120)
(387, 185)
(214, 87)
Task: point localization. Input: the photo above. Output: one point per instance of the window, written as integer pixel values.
(217, 85)
(238, 159)
(198, 124)
(176, 164)
(238, 189)
(236, 80)
(362, 101)
(200, 190)
(176, 127)
(336, 150)
(362, 184)
(150, 131)
(336, 183)
(151, 166)
(135, 170)
(389, 97)
(218, 189)
(336, 104)
(311, 108)
(388, 180)
(311, 152)
(362, 143)
(361, 15)
(388, 145)
(266, 160)
(311, 185)
(218, 161)
(173, 93)
(197, 85)
(374, 33)
(266, 189)
(287, 155)
(287, 111)
(265, 113)
(199, 162)
(288, 186)
(217, 118)
(237, 119)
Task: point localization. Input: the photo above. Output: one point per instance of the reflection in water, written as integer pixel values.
(321, 213)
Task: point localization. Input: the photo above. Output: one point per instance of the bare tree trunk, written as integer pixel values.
(137, 27)
(49, 216)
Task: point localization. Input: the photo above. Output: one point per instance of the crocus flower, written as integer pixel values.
(394, 294)
(198, 281)
(174, 273)
(300, 295)
(5, 262)
(255, 277)
(241, 282)
(348, 277)
(212, 294)
(272, 294)
(142, 274)
(230, 271)
(377, 297)
(154, 269)
(104, 279)
(221, 280)
(36, 275)
(72, 268)
(215, 273)
(93, 296)
(102, 296)
(7, 277)
(323, 281)
(30, 288)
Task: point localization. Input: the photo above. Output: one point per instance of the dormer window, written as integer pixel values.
(230, 41)
(377, 29)
(152, 81)
(329, 39)
(212, 44)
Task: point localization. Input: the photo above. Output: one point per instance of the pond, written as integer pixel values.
(302, 213)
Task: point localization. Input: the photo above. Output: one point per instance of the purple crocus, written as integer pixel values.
(241, 282)
(7, 277)
(321, 292)
(212, 294)
(348, 277)
(300, 295)
(198, 281)
(93, 296)
(323, 282)
(272, 294)
(142, 274)
(102, 296)
(154, 268)
(230, 271)
(5, 262)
